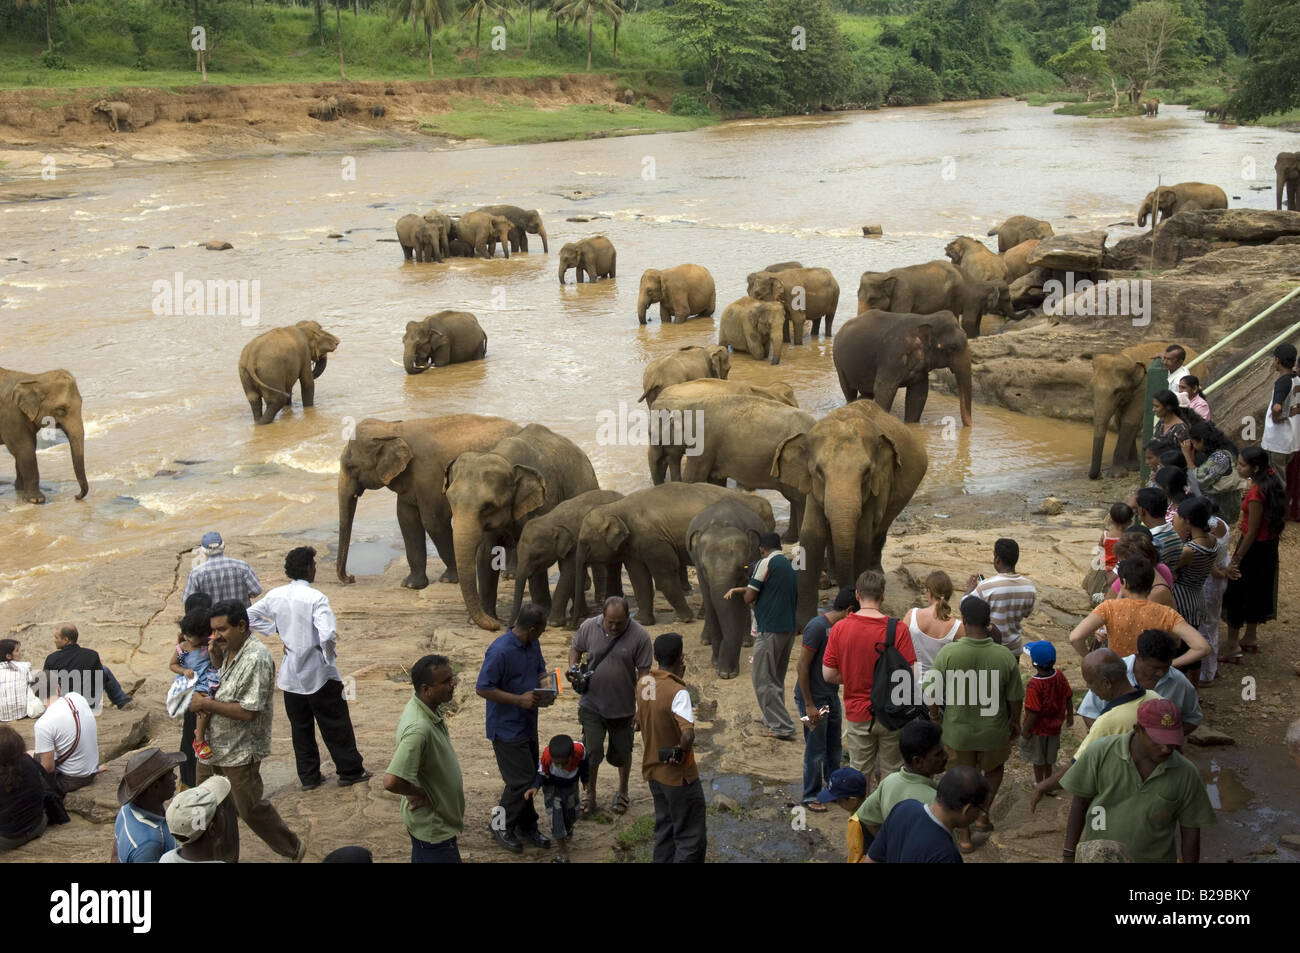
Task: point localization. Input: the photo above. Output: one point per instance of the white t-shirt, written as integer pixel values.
(1281, 438)
(57, 731)
(174, 857)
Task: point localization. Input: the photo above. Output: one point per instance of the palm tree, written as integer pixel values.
(435, 14)
(475, 11)
(587, 10)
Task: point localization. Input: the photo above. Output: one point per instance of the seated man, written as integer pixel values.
(67, 741)
(78, 669)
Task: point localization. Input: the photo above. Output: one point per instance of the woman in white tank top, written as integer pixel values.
(934, 626)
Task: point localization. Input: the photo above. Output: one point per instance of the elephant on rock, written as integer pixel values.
(646, 531)
(806, 294)
(722, 542)
(593, 257)
(523, 222)
(419, 239)
(857, 469)
(410, 457)
(685, 364)
(483, 231)
(447, 337)
(1287, 167)
(754, 326)
(494, 493)
(975, 260)
(681, 292)
(1119, 388)
(1173, 199)
(1020, 228)
(877, 353)
(932, 287)
(30, 403)
(271, 363)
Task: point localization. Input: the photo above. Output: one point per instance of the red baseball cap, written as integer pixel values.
(1162, 721)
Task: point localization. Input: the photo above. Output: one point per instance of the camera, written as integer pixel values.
(579, 677)
(671, 755)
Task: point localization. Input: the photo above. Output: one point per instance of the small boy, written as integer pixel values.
(562, 767)
(1047, 705)
(1118, 519)
(848, 789)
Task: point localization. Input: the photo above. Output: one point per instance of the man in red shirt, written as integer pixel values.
(854, 645)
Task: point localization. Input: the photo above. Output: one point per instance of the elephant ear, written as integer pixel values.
(392, 456)
(916, 349)
(791, 463)
(720, 361)
(884, 468)
(564, 542)
(614, 532)
(28, 395)
(322, 342)
(530, 491)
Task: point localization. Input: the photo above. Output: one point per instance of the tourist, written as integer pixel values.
(667, 723)
(1215, 585)
(1190, 396)
(847, 789)
(921, 744)
(424, 769)
(1216, 477)
(67, 740)
(16, 680)
(239, 733)
(512, 681)
(1152, 509)
(854, 645)
(1154, 800)
(822, 750)
(1047, 707)
(1118, 518)
(1151, 668)
(1192, 523)
(916, 833)
(978, 684)
(934, 626)
(78, 669)
(1175, 360)
(313, 689)
(1136, 541)
(1251, 595)
(1133, 613)
(1279, 430)
(562, 767)
(618, 654)
(192, 664)
(1009, 594)
(220, 577)
(198, 819)
(1173, 480)
(22, 793)
(194, 624)
(773, 591)
(1172, 420)
(1151, 457)
(140, 828)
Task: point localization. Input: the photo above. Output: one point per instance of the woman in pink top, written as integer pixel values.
(1136, 541)
(934, 626)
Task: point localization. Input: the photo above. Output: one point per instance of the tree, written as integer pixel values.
(434, 14)
(475, 11)
(1147, 43)
(338, 29)
(49, 18)
(718, 32)
(1272, 80)
(1081, 66)
(578, 10)
(809, 51)
(320, 23)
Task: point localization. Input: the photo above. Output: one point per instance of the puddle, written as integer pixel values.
(372, 558)
(1253, 795)
(759, 829)
(1225, 789)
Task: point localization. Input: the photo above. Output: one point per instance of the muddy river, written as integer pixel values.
(172, 450)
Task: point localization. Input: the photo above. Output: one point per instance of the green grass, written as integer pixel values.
(634, 841)
(1287, 119)
(1099, 110)
(518, 121)
(861, 29)
(1052, 98)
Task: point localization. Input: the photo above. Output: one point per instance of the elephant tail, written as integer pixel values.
(252, 372)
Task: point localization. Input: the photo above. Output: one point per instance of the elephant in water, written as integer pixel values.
(483, 231)
(523, 222)
(1119, 387)
(1288, 176)
(592, 257)
(447, 337)
(271, 363)
(1020, 228)
(685, 364)
(442, 226)
(410, 457)
(753, 326)
(418, 238)
(932, 287)
(806, 294)
(1150, 107)
(1177, 198)
(722, 542)
(681, 292)
(30, 403)
(117, 112)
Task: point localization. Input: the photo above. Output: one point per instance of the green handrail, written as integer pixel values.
(1253, 358)
(1249, 324)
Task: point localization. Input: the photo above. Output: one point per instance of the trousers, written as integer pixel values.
(771, 662)
(327, 708)
(248, 803)
(680, 833)
(517, 762)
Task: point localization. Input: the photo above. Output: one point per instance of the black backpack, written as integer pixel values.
(896, 711)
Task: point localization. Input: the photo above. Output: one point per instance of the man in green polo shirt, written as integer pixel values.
(1137, 789)
(773, 592)
(921, 745)
(424, 769)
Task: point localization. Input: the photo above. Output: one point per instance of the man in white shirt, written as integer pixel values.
(313, 690)
(1175, 361)
(67, 740)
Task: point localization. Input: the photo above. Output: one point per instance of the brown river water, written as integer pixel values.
(171, 448)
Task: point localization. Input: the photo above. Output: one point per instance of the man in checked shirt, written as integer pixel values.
(221, 577)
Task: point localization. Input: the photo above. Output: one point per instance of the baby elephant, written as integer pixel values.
(117, 113)
(418, 237)
(447, 337)
(748, 324)
(272, 363)
(595, 257)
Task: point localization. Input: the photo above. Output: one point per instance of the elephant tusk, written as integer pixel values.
(398, 363)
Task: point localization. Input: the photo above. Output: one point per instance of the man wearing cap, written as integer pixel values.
(198, 823)
(221, 577)
(822, 750)
(1152, 668)
(1138, 789)
(141, 825)
(667, 723)
(773, 592)
(846, 788)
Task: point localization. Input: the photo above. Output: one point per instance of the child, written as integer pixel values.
(562, 767)
(1118, 520)
(193, 662)
(848, 789)
(1191, 386)
(1047, 704)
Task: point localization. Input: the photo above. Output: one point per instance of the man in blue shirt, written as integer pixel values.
(1152, 668)
(512, 672)
(141, 825)
(916, 833)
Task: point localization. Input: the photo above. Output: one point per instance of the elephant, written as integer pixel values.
(1020, 228)
(682, 292)
(117, 112)
(857, 469)
(523, 222)
(1119, 388)
(1288, 175)
(877, 353)
(270, 363)
(595, 257)
(1176, 198)
(418, 237)
(442, 225)
(975, 260)
(753, 326)
(410, 457)
(553, 538)
(685, 364)
(932, 287)
(1150, 107)
(30, 403)
(459, 249)
(807, 294)
(712, 387)
(722, 542)
(783, 266)
(447, 337)
(646, 531)
(493, 493)
(743, 433)
(483, 231)
(1016, 260)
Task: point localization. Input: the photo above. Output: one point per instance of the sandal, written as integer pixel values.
(1230, 659)
(815, 806)
(202, 750)
(621, 803)
(588, 804)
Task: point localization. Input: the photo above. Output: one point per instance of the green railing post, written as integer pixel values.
(1157, 380)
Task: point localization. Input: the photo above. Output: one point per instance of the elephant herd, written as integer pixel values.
(434, 236)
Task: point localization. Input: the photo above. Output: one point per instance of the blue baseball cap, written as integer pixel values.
(845, 782)
(1041, 653)
(210, 539)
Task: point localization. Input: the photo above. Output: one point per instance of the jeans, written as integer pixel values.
(113, 690)
(444, 852)
(822, 751)
(680, 833)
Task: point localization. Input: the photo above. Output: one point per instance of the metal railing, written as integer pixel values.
(1246, 327)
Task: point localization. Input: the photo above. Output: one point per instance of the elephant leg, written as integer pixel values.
(487, 576)
(27, 478)
(684, 579)
(408, 521)
(643, 588)
(796, 516)
(539, 589)
(914, 402)
(274, 404)
(308, 385)
(710, 634)
(885, 394)
(798, 318)
(830, 319)
(813, 535)
(613, 584)
(1130, 428)
(563, 592)
(658, 463)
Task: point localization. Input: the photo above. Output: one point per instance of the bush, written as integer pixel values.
(913, 85)
(685, 104)
(52, 60)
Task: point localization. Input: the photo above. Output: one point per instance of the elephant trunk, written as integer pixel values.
(843, 512)
(1101, 415)
(319, 367)
(1278, 189)
(411, 360)
(468, 538)
(961, 369)
(642, 303)
(563, 269)
(77, 444)
(541, 231)
(348, 493)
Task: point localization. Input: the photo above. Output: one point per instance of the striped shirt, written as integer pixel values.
(1189, 587)
(1010, 597)
(224, 579)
